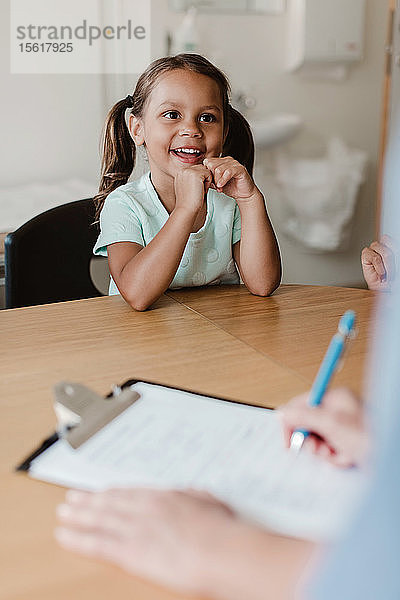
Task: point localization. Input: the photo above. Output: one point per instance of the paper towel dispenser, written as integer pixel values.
(324, 32)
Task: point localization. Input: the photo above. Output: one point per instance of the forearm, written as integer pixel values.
(149, 273)
(254, 564)
(259, 257)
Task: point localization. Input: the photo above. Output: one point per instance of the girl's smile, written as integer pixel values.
(189, 154)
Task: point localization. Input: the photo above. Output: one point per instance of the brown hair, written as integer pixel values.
(239, 142)
(119, 150)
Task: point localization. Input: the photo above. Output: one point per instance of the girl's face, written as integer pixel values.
(182, 123)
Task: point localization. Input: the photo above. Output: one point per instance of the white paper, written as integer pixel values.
(174, 439)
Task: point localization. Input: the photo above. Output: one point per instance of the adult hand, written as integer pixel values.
(337, 426)
(188, 541)
(163, 535)
(378, 264)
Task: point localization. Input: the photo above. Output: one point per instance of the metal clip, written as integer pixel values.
(81, 412)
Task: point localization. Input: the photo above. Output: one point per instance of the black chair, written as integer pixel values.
(48, 258)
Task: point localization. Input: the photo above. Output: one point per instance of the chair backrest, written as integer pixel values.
(48, 258)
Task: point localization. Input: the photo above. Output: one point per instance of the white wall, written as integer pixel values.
(51, 124)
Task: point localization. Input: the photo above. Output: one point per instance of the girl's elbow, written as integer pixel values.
(265, 289)
(139, 298)
(139, 306)
(138, 303)
(263, 292)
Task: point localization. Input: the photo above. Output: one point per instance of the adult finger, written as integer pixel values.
(124, 500)
(315, 420)
(92, 518)
(92, 544)
(205, 497)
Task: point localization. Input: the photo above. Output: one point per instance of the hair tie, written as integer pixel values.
(129, 101)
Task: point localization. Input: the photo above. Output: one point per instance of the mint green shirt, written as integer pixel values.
(134, 213)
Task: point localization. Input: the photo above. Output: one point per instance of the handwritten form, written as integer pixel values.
(175, 439)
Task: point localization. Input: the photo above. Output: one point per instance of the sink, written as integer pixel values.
(275, 129)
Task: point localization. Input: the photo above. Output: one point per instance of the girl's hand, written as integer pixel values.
(378, 266)
(168, 536)
(337, 424)
(191, 187)
(231, 178)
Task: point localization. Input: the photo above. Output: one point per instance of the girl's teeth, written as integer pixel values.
(188, 151)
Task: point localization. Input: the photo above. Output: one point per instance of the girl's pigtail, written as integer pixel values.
(239, 142)
(118, 154)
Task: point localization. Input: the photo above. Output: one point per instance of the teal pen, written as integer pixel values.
(328, 367)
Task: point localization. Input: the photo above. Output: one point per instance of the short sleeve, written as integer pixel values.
(237, 226)
(118, 223)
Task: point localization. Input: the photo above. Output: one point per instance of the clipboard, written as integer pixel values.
(81, 412)
(146, 434)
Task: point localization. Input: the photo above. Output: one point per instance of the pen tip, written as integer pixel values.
(297, 441)
(346, 323)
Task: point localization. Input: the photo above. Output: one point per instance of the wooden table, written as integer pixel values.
(217, 340)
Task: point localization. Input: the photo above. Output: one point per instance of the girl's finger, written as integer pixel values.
(209, 176)
(212, 163)
(222, 178)
(215, 163)
(208, 180)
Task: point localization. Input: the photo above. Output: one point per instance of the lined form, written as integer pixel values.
(175, 439)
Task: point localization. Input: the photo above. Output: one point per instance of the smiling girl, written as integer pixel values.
(197, 217)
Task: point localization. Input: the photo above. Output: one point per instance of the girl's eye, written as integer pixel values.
(171, 114)
(207, 118)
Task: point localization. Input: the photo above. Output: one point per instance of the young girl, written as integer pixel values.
(197, 217)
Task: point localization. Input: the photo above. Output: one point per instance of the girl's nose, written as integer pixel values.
(190, 129)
